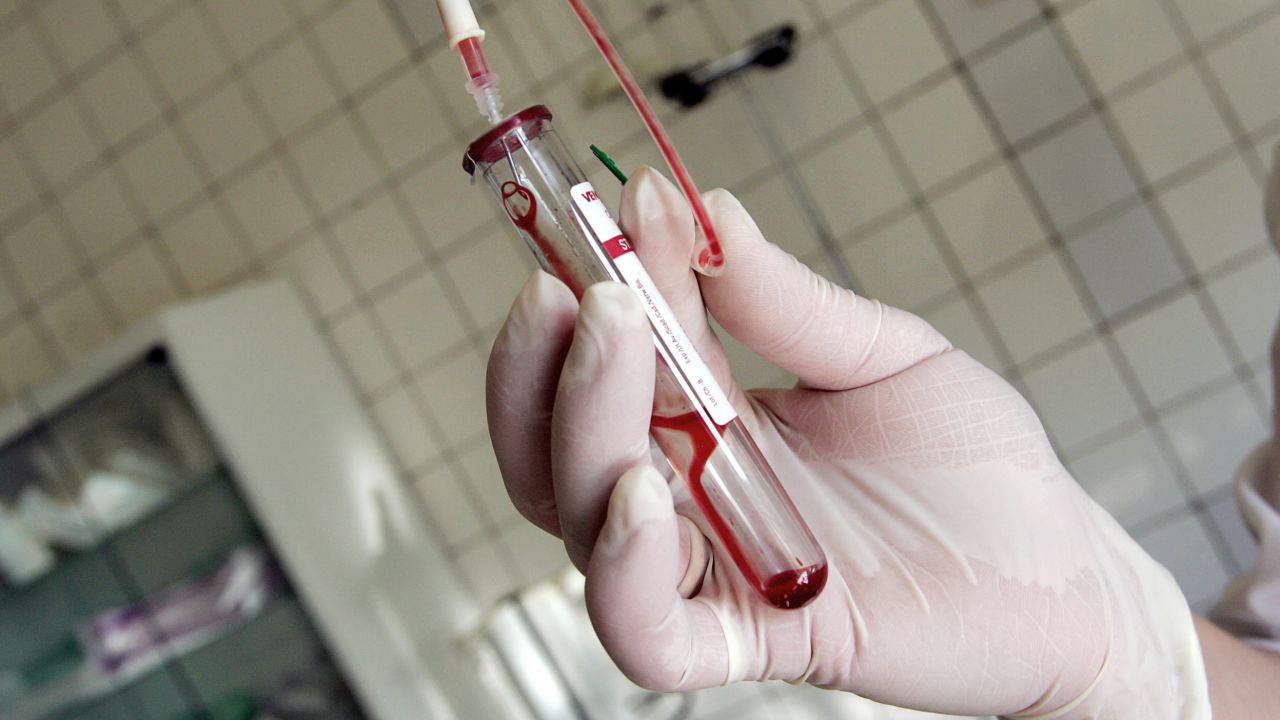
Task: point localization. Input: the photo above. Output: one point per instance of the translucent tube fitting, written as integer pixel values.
(568, 228)
(484, 90)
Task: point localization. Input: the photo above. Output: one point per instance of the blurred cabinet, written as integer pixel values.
(200, 523)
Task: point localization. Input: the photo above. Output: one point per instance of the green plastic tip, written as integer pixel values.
(610, 164)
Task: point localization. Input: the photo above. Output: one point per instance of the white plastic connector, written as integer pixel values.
(459, 21)
(484, 90)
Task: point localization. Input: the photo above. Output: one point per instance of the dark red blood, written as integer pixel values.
(795, 588)
(704, 257)
(787, 589)
(522, 208)
(473, 58)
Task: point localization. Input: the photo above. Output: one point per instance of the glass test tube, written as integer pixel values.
(568, 228)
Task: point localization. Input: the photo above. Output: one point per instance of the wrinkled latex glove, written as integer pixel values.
(969, 573)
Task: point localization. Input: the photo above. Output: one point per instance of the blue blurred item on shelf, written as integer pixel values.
(106, 502)
(24, 556)
(185, 616)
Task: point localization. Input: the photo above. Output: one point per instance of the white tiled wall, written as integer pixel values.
(1069, 188)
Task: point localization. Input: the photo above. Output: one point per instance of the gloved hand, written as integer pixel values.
(969, 572)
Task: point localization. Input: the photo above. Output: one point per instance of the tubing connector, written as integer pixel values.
(484, 90)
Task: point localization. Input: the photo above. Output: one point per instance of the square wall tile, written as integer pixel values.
(1172, 349)
(405, 121)
(100, 214)
(24, 361)
(1184, 548)
(1225, 514)
(1171, 124)
(805, 98)
(9, 303)
(718, 142)
(377, 243)
(225, 130)
(77, 321)
(138, 12)
(892, 46)
(403, 426)
(958, 322)
(1217, 215)
(1253, 94)
(853, 181)
(360, 41)
(42, 255)
(183, 54)
(25, 71)
(1130, 478)
(449, 508)
(207, 252)
(59, 140)
(485, 481)
(738, 22)
(267, 206)
(118, 97)
(362, 350)
(934, 155)
(781, 220)
(1078, 173)
(161, 173)
(79, 29)
(419, 319)
(1118, 40)
(899, 265)
(1212, 436)
(538, 554)
(291, 87)
(487, 571)
(1029, 84)
(1035, 307)
(137, 282)
(989, 220)
(1080, 395)
(489, 272)
(455, 392)
(18, 188)
(1249, 300)
(1125, 261)
(1207, 18)
(335, 164)
(447, 204)
(972, 25)
(536, 49)
(313, 268)
(249, 26)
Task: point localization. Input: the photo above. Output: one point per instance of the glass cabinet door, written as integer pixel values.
(135, 581)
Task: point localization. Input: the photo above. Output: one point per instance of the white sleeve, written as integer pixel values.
(1250, 607)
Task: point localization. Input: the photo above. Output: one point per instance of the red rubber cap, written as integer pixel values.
(489, 147)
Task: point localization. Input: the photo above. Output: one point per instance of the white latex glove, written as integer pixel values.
(969, 574)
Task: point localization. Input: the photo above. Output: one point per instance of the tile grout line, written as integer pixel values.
(784, 165)
(1208, 78)
(461, 478)
(1158, 432)
(923, 209)
(115, 174)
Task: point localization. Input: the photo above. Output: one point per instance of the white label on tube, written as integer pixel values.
(668, 335)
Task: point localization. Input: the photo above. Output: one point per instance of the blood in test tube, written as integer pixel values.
(564, 222)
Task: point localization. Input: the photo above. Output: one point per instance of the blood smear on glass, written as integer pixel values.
(787, 589)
